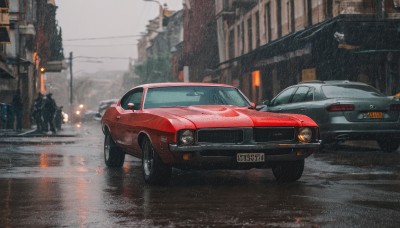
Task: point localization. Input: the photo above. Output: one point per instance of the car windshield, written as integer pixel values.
(350, 91)
(193, 95)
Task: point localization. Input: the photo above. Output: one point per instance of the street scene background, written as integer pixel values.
(63, 182)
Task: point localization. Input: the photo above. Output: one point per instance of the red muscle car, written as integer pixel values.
(205, 126)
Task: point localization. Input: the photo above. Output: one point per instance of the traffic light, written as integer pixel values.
(42, 70)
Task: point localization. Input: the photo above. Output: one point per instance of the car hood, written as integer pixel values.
(232, 116)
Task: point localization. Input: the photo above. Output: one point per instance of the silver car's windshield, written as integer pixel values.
(193, 95)
(350, 91)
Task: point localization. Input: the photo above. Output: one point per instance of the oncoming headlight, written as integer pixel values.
(186, 137)
(305, 135)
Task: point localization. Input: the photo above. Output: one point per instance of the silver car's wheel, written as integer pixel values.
(288, 171)
(113, 156)
(154, 170)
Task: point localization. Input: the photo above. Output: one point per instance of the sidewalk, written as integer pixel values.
(67, 134)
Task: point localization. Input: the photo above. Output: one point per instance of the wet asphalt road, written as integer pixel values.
(68, 185)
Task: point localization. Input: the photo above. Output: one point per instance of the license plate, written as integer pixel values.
(373, 115)
(250, 157)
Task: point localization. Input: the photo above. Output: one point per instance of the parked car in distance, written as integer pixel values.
(103, 105)
(343, 110)
(204, 126)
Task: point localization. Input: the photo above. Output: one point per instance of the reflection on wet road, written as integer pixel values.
(69, 185)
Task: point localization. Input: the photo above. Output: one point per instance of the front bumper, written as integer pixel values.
(224, 155)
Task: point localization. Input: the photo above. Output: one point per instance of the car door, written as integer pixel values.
(296, 100)
(300, 102)
(127, 120)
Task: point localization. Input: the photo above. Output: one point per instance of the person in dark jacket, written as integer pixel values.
(18, 110)
(49, 111)
(37, 112)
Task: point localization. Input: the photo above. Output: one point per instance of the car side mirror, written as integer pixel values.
(252, 105)
(130, 106)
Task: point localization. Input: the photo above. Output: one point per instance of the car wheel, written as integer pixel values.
(288, 171)
(388, 145)
(155, 172)
(113, 156)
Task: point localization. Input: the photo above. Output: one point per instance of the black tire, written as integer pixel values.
(388, 145)
(288, 171)
(155, 172)
(113, 155)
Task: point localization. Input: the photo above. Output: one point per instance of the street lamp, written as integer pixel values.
(161, 10)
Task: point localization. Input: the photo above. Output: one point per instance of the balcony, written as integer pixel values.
(246, 4)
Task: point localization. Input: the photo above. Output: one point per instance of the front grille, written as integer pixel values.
(231, 153)
(272, 134)
(220, 136)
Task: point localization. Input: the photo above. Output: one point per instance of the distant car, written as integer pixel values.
(343, 110)
(204, 125)
(104, 104)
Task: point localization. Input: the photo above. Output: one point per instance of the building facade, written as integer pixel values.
(200, 47)
(159, 48)
(25, 46)
(267, 45)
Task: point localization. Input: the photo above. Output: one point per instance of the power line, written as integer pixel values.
(105, 45)
(101, 57)
(103, 38)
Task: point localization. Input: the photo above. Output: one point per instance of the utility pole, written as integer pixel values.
(71, 98)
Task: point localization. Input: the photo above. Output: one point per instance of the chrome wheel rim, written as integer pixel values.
(107, 147)
(148, 159)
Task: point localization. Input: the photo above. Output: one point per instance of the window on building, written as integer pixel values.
(279, 17)
(268, 21)
(242, 36)
(292, 17)
(308, 4)
(231, 44)
(288, 15)
(329, 8)
(257, 29)
(249, 35)
(239, 40)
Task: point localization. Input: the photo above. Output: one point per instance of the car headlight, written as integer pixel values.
(186, 137)
(305, 135)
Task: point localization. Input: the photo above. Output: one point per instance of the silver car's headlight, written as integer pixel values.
(186, 137)
(305, 135)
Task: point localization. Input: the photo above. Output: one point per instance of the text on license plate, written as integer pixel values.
(373, 115)
(250, 157)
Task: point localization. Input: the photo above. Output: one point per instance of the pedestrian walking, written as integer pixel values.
(49, 112)
(37, 112)
(18, 110)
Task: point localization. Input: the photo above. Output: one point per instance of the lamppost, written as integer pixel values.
(161, 10)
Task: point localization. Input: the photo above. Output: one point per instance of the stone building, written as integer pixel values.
(267, 45)
(25, 34)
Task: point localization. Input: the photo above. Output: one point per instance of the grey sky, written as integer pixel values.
(105, 18)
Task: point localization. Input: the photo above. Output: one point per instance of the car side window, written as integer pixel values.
(301, 95)
(310, 95)
(134, 97)
(283, 97)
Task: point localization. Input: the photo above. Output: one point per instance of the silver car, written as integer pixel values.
(343, 110)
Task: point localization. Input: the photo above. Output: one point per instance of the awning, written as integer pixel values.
(376, 51)
(5, 71)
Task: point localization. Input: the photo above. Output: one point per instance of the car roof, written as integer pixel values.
(330, 82)
(172, 84)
